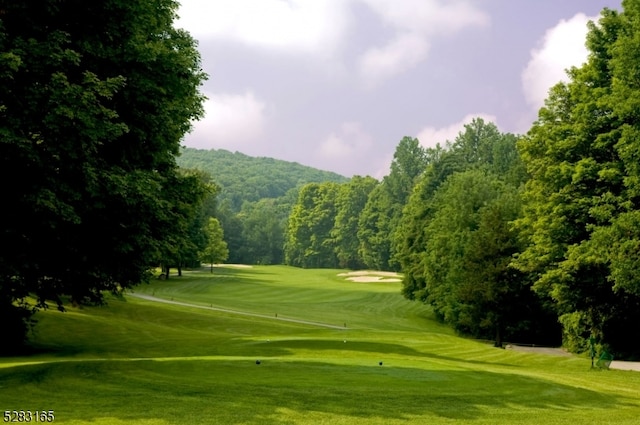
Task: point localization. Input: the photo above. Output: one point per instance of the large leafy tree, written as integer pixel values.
(264, 224)
(374, 229)
(479, 146)
(308, 241)
(215, 250)
(581, 216)
(94, 100)
(189, 191)
(456, 241)
(470, 244)
(382, 212)
(351, 199)
(233, 227)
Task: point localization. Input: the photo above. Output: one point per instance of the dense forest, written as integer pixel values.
(243, 178)
(253, 199)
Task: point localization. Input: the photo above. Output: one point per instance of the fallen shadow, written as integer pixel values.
(219, 275)
(240, 391)
(370, 347)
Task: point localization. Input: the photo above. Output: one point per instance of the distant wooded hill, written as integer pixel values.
(244, 178)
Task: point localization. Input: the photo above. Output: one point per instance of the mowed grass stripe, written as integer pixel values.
(242, 313)
(141, 362)
(316, 295)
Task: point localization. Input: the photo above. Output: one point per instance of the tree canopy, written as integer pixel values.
(456, 242)
(243, 178)
(215, 250)
(308, 241)
(381, 214)
(92, 111)
(581, 216)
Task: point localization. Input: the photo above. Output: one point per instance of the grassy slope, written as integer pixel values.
(141, 362)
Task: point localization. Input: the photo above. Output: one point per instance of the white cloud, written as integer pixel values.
(294, 24)
(403, 53)
(320, 27)
(430, 136)
(429, 16)
(416, 23)
(350, 140)
(231, 121)
(562, 47)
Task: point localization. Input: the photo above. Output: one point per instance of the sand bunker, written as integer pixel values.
(234, 266)
(371, 276)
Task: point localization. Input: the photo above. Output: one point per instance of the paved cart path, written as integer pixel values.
(616, 364)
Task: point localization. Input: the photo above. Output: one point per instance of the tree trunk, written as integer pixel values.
(498, 342)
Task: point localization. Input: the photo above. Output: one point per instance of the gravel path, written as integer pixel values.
(539, 350)
(616, 364)
(243, 313)
(620, 365)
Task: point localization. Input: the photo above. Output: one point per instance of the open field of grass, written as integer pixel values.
(142, 362)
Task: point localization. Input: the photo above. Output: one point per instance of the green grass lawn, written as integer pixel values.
(137, 361)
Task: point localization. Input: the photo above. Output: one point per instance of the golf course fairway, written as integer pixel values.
(281, 345)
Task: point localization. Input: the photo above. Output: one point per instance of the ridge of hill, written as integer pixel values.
(247, 178)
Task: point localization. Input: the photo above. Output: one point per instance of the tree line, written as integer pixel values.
(520, 237)
(254, 198)
(444, 217)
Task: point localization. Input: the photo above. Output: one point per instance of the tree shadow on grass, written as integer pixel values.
(240, 391)
(219, 274)
(380, 349)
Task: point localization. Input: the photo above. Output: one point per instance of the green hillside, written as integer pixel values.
(246, 178)
(330, 351)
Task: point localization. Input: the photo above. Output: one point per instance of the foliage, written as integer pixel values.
(244, 178)
(383, 210)
(479, 146)
(215, 251)
(92, 112)
(470, 244)
(255, 199)
(308, 240)
(456, 242)
(188, 191)
(581, 215)
(350, 201)
(263, 230)
(233, 228)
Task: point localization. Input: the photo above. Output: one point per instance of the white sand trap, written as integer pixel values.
(373, 279)
(234, 266)
(371, 276)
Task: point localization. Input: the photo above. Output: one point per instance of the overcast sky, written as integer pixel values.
(335, 84)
